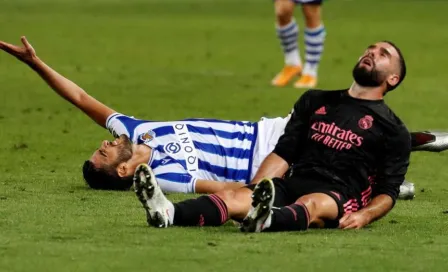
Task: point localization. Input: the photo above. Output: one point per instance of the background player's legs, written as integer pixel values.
(314, 44)
(287, 32)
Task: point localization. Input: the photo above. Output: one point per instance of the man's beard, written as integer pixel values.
(125, 149)
(367, 78)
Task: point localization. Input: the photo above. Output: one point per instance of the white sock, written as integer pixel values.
(170, 212)
(268, 221)
(288, 35)
(314, 47)
(293, 58)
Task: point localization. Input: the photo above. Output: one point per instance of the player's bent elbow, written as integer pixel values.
(80, 98)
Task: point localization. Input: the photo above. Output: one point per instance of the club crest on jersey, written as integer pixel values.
(147, 136)
(365, 122)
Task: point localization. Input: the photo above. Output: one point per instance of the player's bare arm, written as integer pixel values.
(288, 147)
(273, 166)
(61, 85)
(212, 186)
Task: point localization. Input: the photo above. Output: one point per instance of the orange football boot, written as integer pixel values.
(286, 75)
(306, 81)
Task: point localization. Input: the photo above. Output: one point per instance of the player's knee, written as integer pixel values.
(308, 201)
(311, 205)
(236, 200)
(320, 206)
(284, 10)
(312, 14)
(228, 196)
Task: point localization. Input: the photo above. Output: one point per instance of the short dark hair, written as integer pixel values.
(402, 67)
(101, 179)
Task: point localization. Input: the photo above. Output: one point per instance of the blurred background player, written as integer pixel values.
(288, 33)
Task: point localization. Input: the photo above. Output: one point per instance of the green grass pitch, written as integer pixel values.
(174, 59)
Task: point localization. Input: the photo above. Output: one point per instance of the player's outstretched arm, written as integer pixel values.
(61, 85)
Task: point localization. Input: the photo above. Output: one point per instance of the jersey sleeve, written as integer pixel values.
(296, 130)
(173, 178)
(116, 126)
(395, 164)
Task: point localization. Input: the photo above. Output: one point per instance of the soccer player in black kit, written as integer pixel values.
(349, 154)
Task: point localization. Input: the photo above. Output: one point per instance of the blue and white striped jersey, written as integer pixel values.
(186, 150)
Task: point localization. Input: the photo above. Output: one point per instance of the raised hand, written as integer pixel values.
(25, 53)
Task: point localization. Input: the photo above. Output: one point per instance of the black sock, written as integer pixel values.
(290, 218)
(204, 211)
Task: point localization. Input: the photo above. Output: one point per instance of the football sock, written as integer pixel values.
(203, 211)
(288, 38)
(289, 218)
(314, 47)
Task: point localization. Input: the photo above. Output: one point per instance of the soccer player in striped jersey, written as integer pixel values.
(192, 155)
(288, 32)
(195, 155)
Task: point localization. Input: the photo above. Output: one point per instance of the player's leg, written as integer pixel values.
(310, 209)
(210, 210)
(423, 141)
(314, 36)
(287, 33)
(216, 209)
(429, 141)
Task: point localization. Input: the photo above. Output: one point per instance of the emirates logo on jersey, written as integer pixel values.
(366, 122)
(335, 137)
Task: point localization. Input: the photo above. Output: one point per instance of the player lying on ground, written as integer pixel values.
(350, 155)
(197, 155)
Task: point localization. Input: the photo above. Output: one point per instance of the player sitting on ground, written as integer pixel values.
(350, 155)
(186, 156)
